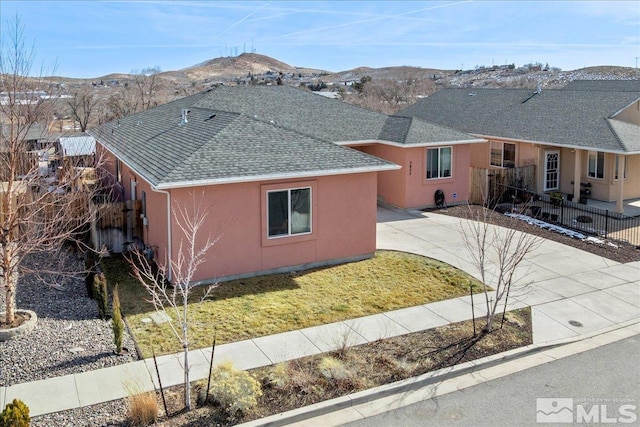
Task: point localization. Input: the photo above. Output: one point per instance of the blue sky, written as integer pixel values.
(94, 38)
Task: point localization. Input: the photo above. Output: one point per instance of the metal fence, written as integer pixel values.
(554, 209)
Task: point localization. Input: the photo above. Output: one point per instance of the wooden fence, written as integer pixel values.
(116, 225)
(488, 184)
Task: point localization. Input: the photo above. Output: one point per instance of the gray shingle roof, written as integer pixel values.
(317, 116)
(604, 85)
(574, 118)
(628, 134)
(258, 131)
(412, 131)
(221, 146)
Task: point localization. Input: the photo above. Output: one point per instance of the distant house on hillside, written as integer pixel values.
(292, 178)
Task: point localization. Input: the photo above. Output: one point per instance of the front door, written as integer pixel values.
(551, 170)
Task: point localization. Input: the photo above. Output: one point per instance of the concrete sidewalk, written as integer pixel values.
(573, 294)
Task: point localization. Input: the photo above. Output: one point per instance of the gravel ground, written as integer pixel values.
(110, 414)
(613, 250)
(69, 338)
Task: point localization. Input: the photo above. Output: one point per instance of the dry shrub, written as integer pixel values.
(344, 342)
(302, 383)
(143, 408)
(233, 389)
(333, 369)
(276, 377)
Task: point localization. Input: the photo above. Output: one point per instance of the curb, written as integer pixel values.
(411, 384)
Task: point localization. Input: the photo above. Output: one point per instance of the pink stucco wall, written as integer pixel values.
(408, 187)
(343, 223)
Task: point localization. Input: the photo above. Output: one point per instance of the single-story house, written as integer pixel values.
(81, 148)
(587, 133)
(276, 166)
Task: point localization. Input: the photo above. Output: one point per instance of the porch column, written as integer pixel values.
(577, 174)
(620, 196)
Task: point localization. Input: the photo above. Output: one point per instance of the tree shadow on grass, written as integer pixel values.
(135, 299)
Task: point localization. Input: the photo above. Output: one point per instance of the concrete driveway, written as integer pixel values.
(571, 292)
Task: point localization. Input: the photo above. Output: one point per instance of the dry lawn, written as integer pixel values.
(250, 308)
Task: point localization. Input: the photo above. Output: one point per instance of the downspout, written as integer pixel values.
(169, 249)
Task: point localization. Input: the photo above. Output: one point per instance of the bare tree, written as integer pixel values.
(84, 107)
(388, 96)
(172, 298)
(144, 92)
(122, 103)
(40, 209)
(148, 85)
(497, 253)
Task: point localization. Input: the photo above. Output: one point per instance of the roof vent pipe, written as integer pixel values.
(185, 113)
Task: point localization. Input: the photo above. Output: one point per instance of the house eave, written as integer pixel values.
(272, 177)
(401, 145)
(553, 144)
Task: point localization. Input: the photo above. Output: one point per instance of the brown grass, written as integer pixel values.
(250, 308)
(143, 408)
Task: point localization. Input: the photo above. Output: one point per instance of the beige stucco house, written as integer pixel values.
(585, 135)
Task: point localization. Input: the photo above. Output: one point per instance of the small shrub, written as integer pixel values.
(15, 414)
(233, 389)
(333, 369)
(277, 376)
(101, 295)
(302, 380)
(117, 324)
(142, 408)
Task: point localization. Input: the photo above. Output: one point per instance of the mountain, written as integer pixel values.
(240, 66)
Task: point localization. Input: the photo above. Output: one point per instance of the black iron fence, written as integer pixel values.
(555, 209)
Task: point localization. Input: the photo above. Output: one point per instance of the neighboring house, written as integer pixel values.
(79, 149)
(38, 148)
(78, 152)
(287, 192)
(585, 134)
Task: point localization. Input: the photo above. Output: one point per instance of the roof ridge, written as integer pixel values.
(610, 125)
(615, 134)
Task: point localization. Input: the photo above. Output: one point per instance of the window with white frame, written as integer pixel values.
(503, 154)
(595, 164)
(289, 212)
(439, 162)
(617, 168)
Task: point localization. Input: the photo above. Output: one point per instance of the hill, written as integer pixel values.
(238, 67)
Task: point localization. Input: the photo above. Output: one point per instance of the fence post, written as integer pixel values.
(562, 212)
(606, 223)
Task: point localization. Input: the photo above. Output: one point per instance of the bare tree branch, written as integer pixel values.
(41, 209)
(84, 107)
(173, 298)
(497, 253)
